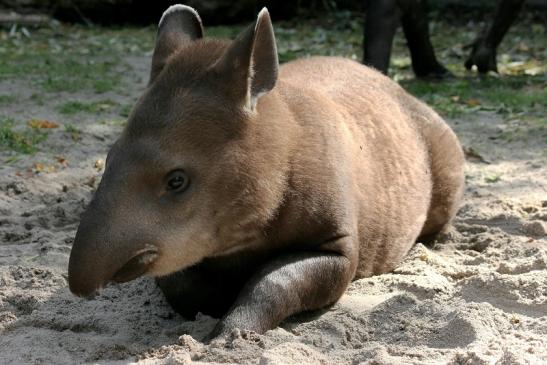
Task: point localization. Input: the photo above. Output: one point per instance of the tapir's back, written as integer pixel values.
(404, 162)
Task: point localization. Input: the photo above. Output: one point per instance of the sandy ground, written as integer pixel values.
(479, 296)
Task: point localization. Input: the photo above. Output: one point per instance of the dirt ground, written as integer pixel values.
(478, 296)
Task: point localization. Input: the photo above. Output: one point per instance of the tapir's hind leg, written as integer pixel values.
(447, 164)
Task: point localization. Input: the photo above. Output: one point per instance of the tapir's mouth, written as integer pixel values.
(137, 265)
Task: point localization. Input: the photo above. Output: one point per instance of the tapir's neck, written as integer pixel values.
(272, 135)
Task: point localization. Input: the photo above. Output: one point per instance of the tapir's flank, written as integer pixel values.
(253, 191)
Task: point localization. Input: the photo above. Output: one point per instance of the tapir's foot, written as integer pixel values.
(482, 56)
(218, 335)
(223, 333)
(220, 340)
(215, 338)
(236, 324)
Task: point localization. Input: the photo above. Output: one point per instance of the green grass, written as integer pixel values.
(55, 73)
(73, 131)
(74, 75)
(76, 106)
(125, 111)
(7, 99)
(494, 178)
(505, 95)
(114, 122)
(23, 141)
(69, 59)
(519, 90)
(37, 99)
(73, 58)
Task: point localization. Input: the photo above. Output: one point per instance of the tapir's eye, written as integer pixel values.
(177, 180)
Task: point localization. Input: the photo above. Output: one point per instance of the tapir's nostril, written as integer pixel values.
(137, 265)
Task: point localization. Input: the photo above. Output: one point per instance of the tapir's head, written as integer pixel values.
(184, 182)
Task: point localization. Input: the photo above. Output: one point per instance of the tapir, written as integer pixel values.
(253, 192)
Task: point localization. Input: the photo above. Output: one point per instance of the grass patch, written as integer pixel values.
(55, 73)
(505, 95)
(22, 141)
(125, 111)
(73, 131)
(526, 128)
(38, 99)
(75, 107)
(6, 99)
(74, 75)
(494, 178)
(71, 58)
(93, 59)
(114, 122)
(341, 35)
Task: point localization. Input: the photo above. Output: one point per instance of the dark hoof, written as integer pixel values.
(437, 73)
(483, 57)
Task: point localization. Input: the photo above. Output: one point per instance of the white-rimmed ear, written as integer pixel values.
(250, 62)
(178, 25)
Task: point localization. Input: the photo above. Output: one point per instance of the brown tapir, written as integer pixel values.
(253, 192)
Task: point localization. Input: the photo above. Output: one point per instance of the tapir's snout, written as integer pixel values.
(103, 253)
(86, 283)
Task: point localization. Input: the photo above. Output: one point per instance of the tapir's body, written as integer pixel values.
(291, 191)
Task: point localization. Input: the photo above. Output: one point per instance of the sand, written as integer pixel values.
(478, 296)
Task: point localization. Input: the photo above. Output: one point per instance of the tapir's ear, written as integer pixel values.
(179, 25)
(250, 62)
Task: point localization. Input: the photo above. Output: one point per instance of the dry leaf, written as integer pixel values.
(61, 161)
(40, 167)
(472, 102)
(42, 124)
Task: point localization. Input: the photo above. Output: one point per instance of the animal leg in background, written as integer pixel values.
(483, 52)
(381, 22)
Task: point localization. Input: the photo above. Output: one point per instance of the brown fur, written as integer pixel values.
(331, 175)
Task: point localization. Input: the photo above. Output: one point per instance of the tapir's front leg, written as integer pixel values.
(285, 286)
(197, 289)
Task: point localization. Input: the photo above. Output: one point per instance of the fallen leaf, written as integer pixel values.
(472, 102)
(42, 124)
(61, 161)
(40, 167)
